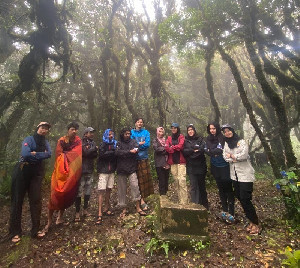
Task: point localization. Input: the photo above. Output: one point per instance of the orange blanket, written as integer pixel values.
(66, 174)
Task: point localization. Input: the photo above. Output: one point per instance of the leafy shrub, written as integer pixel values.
(289, 186)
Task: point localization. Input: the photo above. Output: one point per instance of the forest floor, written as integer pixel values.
(124, 242)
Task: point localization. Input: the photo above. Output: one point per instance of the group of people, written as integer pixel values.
(128, 158)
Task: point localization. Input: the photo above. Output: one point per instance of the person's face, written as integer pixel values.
(90, 135)
(174, 130)
(139, 124)
(43, 130)
(212, 130)
(227, 133)
(72, 132)
(110, 135)
(127, 135)
(161, 133)
(191, 131)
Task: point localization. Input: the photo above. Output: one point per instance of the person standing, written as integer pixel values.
(142, 136)
(27, 178)
(89, 153)
(127, 149)
(106, 167)
(220, 171)
(196, 166)
(242, 173)
(66, 175)
(160, 159)
(174, 147)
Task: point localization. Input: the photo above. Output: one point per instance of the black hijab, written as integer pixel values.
(194, 137)
(233, 141)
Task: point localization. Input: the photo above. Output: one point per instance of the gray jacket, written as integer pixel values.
(160, 154)
(242, 166)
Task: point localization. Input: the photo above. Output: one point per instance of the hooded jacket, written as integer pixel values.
(170, 149)
(89, 153)
(140, 135)
(107, 160)
(214, 146)
(195, 161)
(126, 161)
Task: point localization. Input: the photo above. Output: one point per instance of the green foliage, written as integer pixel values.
(293, 258)
(5, 187)
(155, 245)
(289, 186)
(199, 245)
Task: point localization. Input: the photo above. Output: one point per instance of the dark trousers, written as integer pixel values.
(163, 179)
(26, 179)
(243, 192)
(224, 183)
(198, 189)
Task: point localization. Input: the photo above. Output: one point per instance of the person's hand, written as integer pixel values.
(141, 142)
(134, 150)
(33, 153)
(196, 150)
(233, 157)
(228, 155)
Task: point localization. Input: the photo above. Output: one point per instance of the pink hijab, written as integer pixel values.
(161, 140)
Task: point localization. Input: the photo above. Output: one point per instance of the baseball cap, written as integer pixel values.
(88, 129)
(43, 124)
(175, 125)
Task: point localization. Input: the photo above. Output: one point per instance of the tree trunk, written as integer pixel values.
(209, 82)
(237, 77)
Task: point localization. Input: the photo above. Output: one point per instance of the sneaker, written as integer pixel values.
(230, 219)
(223, 215)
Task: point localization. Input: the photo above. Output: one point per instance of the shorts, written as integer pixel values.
(106, 181)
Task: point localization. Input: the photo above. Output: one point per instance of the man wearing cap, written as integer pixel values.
(27, 177)
(89, 153)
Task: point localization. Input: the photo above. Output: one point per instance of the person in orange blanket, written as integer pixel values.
(66, 175)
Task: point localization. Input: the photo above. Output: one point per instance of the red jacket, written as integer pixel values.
(170, 149)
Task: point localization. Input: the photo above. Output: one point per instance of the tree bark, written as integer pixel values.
(237, 77)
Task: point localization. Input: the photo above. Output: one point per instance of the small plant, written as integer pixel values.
(289, 187)
(156, 244)
(293, 258)
(199, 245)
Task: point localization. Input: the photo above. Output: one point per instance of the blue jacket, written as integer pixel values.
(29, 146)
(141, 135)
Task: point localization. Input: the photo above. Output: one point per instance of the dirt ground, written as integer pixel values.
(123, 242)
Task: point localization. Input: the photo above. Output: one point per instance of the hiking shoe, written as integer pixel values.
(223, 216)
(230, 219)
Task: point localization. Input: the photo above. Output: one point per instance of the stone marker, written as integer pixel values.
(180, 224)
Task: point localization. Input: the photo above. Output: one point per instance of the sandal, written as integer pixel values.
(142, 213)
(16, 239)
(108, 213)
(145, 207)
(99, 220)
(255, 230)
(124, 214)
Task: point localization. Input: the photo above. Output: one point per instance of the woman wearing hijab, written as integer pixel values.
(242, 174)
(196, 166)
(220, 170)
(160, 159)
(174, 148)
(106, 167)
(28, 176)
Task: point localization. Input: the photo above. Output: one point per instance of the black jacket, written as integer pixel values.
(126, 161)
(107, 160)
(89, 153)
(195, 161)
(160, 154)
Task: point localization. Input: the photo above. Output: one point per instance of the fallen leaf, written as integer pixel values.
(184, 253)
(122, 255)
